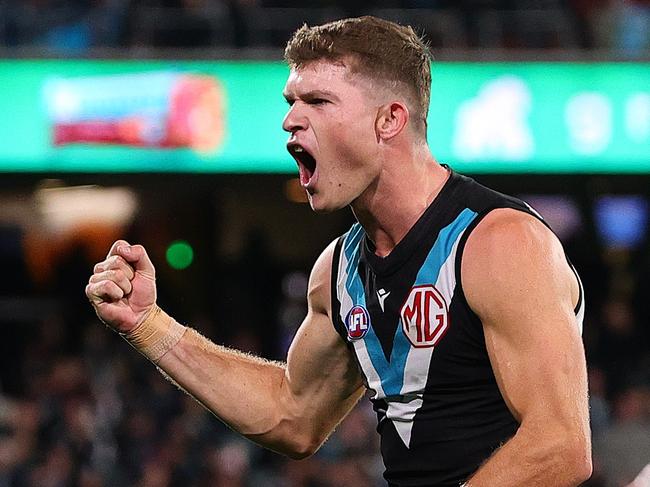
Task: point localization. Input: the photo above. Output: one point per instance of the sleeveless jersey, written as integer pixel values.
(419, 346)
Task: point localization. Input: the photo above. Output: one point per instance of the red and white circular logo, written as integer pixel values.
(357, 322)
(425, 316)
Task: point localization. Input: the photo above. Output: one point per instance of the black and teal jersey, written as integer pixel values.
(419, 346)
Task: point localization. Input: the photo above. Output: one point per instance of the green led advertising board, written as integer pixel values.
(225, 117)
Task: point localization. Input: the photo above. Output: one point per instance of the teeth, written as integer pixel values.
(298, 149)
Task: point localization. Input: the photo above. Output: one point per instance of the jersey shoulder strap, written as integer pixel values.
(344, 263)
(336, 304)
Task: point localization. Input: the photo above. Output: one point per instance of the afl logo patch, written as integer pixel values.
(357, 322)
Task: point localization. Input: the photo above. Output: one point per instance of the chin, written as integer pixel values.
(322, 209)
(320, 205)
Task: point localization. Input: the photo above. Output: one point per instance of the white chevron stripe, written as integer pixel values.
(402, 415)
(372, 377)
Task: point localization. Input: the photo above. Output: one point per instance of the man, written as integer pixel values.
(455, 305)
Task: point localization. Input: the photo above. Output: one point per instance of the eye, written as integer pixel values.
(318, 101)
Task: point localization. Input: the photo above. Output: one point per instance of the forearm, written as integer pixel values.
(536, 460)
(240, 389)
(247, 393)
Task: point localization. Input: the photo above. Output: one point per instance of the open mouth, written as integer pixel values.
(306, 164)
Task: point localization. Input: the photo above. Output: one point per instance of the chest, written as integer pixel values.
(393, 322)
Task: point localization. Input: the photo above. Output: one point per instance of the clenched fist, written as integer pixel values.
(122, 288)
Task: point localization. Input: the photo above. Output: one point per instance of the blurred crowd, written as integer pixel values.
(105, 417)
(76, 27)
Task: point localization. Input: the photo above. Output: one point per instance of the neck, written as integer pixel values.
(398, 197)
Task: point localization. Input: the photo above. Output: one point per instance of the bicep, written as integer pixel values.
(320, 367)
(520, 285)
(322, 378)
(321, 381)
(539, 363)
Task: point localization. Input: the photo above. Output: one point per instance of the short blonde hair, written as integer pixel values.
(383, 51)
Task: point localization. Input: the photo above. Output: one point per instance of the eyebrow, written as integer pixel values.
(311, 95)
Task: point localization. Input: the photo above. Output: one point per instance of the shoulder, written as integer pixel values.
(507, 228)
(320, 281)
(511, 255)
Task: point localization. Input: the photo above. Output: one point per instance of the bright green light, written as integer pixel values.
(180, 254)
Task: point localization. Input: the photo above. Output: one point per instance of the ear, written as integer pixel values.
(391, 120)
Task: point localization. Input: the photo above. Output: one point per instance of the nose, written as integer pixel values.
(294, 120)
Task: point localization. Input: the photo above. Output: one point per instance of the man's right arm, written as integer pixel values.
(290, 408)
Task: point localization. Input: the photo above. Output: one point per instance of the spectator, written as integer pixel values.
(623, 449)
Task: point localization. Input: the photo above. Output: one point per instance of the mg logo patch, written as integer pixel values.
(357, 322)
(425, 316)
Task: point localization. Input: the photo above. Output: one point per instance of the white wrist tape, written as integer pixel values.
(156, 335)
